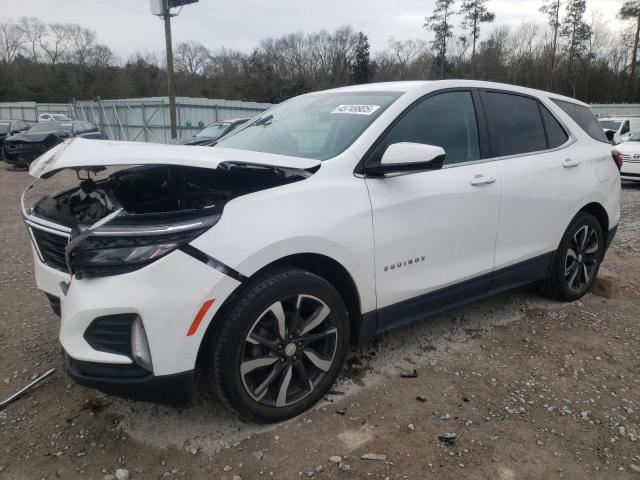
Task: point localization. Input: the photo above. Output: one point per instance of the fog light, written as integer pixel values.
(140, 346)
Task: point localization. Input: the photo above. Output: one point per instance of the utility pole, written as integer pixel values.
(171, 86)
(162, 8)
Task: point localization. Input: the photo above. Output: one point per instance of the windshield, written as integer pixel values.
(317, 127)
(4, 127)
(51, 127)
(610, 125)
(213, 131)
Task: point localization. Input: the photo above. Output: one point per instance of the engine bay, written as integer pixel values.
(155, 190)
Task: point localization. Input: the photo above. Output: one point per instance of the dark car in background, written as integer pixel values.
(211, 133)
(10, 127)
(21, 149)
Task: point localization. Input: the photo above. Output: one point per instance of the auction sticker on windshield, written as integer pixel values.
(356, 109)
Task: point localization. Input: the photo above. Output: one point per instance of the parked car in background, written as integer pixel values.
(21, 149)
(629, 153)
(620, 129)
(11, 127)
(211, 133)
(326, 220)
(53, 117)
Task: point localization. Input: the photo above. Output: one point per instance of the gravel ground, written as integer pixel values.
(529, 387)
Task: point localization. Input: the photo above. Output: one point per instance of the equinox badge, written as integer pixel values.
(404, 263)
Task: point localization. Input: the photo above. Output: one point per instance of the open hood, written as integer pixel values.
(80, 153)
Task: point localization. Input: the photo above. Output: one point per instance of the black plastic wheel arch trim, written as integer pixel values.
(212, 262)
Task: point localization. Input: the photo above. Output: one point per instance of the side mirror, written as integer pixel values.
(408, 157)
(610, 134)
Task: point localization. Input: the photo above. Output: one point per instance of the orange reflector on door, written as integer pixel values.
(199, 316)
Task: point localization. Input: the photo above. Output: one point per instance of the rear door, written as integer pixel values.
(436, 228)
(543, 180)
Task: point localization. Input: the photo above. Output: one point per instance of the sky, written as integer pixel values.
(127, 26)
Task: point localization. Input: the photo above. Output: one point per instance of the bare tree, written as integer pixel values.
(33, 30)
(191, 57)
(55, 43)
(100, 56)
(11, 41)
(405, 51)
(82, 41)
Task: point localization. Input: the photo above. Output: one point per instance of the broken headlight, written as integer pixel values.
(103, 255)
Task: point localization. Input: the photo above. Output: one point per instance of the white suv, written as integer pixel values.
(325, 220)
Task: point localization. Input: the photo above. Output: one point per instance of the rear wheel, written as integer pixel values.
(281, 346)
(577, 259)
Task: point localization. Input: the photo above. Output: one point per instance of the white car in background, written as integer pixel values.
(321, 222)
(53, 117)
(629, 153)
(620, 129)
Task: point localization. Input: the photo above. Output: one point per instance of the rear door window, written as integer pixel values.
(556, 135)
(515, 124)
(585, 118)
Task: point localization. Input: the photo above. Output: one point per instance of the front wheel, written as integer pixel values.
(281, 346)
(577, 260)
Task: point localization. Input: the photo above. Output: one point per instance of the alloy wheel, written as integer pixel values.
(288, 350)
(581, 260)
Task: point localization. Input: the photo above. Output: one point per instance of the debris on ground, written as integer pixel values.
(23, 391)
(450, 439)
(409, 374)
(373, 456)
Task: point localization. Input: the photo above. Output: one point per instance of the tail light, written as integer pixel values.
(617, 158)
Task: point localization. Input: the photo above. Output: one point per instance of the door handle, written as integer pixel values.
(570, 162)
(482, 179)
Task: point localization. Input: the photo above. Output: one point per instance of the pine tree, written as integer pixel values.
(631, 11)
(577, 33)
(440, 24)
(474, 13)
(361, 68)
(552, 9)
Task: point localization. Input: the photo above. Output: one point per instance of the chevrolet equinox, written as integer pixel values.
(319, 223)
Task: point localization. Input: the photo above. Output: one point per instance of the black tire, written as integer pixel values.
(570, 278)
(255, 314)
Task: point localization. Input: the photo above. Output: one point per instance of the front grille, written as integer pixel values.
(111, 333)
(635, 158)
(25, 147)
(51, 248)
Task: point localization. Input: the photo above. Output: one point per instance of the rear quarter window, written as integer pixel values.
(555, 133)
(585, 118)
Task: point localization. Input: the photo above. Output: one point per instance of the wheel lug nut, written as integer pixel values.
(299, 344)
(295, 357)
(280, 347)
(282, 360)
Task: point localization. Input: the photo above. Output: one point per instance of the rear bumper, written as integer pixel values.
(630, 171)
(133, 382)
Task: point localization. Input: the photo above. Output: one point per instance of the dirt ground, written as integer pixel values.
(532, 388)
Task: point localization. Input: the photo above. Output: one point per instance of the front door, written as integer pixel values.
(434, 229)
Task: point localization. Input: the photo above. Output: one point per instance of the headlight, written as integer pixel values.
(100, 256)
